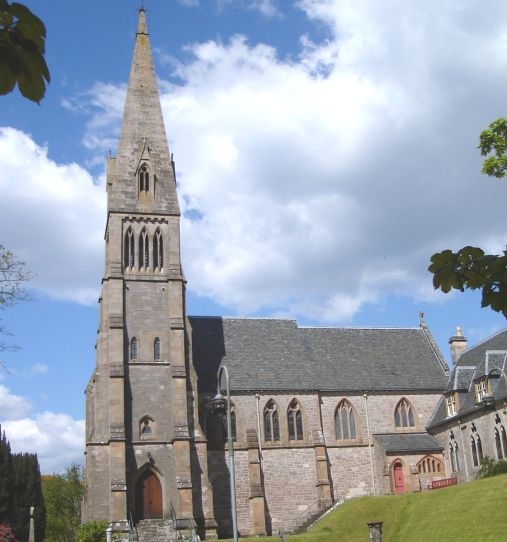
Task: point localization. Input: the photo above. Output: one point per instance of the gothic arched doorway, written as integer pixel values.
(398, 478)
(148, 496)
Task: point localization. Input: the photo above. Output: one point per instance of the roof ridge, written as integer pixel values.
(503, 330)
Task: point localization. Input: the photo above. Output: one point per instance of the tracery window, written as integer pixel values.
(128, 250)
(475, 460)
(479, 449)
(498, 444)
(271, 422)
(404, 414)
(158, 250)
(345, 422)
(144, 250)
(144, 178)
(233, 425)
(295, 421)
(504, 440)
(430, 465)
(453, 460)
(156, 349)
(133, 349)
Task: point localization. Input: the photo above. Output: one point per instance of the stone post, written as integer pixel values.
(375, 528)
(31, 536)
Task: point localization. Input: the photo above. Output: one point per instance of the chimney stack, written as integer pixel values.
(458, 345)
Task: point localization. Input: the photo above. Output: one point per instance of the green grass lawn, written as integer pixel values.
(473, 512)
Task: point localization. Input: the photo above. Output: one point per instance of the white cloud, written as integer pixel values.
(63, 215)
(268, 8)
(12, 406)
(57, 439)
(311, 185)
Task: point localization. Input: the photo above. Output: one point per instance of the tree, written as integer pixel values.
(63, 494)
(13, 276)
(93, 531)
(22, 48)
(470, 268)
(20, 488)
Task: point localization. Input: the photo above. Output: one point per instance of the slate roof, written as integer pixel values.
(476, 362)
(409, 442)
(276, 354)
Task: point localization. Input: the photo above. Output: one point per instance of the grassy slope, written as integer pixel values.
(474, 512)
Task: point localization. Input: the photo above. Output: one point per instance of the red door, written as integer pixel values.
(399, 483)
(148, 496)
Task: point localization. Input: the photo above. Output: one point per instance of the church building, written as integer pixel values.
(318, 414)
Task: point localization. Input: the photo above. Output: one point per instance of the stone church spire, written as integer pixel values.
(143, 145)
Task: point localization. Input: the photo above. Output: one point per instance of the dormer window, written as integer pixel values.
(481, 389)
(144, 179)
(450, 404)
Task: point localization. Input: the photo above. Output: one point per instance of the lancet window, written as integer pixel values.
(158, 251)
(345, 421)
(156, 349)
(133, 349)
(430, 465)
(295, 421)
(271, 422)
(144, 250)
(233, 425)
(144, 178)
(128, 250)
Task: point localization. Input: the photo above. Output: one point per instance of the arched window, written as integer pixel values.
(144, 178)
(144, 250)
(431, 465)
(146, 426)
(156, 349)
(498, 444)
(504, 441)
(479, 449)
(158, 251)
(475, 461)
(128, 250)
(456, 455)
(133, 349)
(233, 425)
(451, 455)
(404, 414)
(295, 421)
(271, 422)
(345, 421)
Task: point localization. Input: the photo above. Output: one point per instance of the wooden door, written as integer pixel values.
(399, 482)
(148, 496)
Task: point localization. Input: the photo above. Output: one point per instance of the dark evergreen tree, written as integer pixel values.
(5, 479)
(27, 492)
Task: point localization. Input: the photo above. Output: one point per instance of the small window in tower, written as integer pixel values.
(144, 179)
(133, 349)
(128, 250)
(158, 251)
(156, 349)
(144, 250)
(146, 427)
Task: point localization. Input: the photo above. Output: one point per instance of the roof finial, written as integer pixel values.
(459, 332)
(421, 317)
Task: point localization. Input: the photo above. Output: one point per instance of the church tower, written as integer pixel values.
(141, 426)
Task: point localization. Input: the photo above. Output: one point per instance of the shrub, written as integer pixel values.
(490, 467)
(93, 531)
(6, 534)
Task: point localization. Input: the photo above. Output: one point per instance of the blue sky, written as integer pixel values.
(324, 150)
